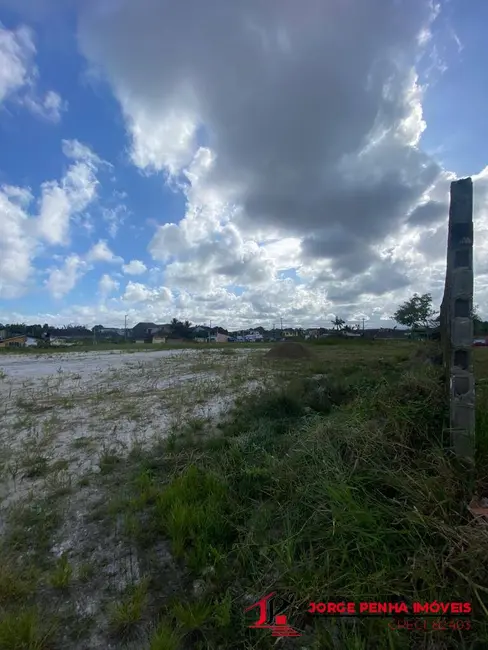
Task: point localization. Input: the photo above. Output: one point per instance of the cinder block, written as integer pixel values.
(462, 414)
(463, 444)
(461, 332)
(461, 360)
(462, 385)
(462, 284)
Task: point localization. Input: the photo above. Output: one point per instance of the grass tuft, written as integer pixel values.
(25, 630)
(61, 576)
(127, 614)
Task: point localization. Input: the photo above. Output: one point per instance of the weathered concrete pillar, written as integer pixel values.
(457, 320)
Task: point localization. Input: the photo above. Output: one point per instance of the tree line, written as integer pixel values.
(416, 313)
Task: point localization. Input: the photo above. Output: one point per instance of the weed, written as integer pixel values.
(86, 572)
(166, 637)
(61, 576)
(26, 629)
(192, 615)
(30, 527)
(108, 460)
(18, 581)
(83, 442)
(128, 613)
(62, 464)
(35, 465)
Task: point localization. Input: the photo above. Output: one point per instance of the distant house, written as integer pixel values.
(18, 342)
(219, 338)
(312, 333)
(13, 342)
(110, 331)
(143, 330)
(288, 333)
(253, 337)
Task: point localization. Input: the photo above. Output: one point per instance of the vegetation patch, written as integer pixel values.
(330, 488)
(330, 482)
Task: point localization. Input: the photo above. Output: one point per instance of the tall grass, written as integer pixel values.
(326, 489)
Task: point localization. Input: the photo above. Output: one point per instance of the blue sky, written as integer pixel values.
(148, 145)
(454, 107)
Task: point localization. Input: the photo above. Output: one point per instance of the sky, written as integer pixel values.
(245, 163)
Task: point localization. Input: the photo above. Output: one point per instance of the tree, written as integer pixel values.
(416, 312)
(179, 329)
(338, 323)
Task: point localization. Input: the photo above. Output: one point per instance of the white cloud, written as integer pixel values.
(134, 267)
(61, 200)
(21, 196)
(50, 107)
(26, 235)
(16, 243)
(16, 52)
(136, 292)
(107, 285)
(19, 75)
(295, 175)
(101, 252)
(63, 280)
(172, 140)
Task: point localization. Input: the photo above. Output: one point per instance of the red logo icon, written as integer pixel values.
(271, 620)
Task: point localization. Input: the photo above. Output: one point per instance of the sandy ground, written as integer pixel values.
(65, 412)
(64, 417)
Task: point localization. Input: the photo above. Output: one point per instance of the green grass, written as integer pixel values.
(128, 613)
(109, 460)
(30, 527)
(62, 573)
(25, 629)
(18, 579)
(327, 488)
(166, 637)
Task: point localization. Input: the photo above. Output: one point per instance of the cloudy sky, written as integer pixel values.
(239, 162)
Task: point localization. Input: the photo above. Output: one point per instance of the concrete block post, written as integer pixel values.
(457, 320)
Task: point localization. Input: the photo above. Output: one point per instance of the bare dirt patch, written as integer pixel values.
(290, 350)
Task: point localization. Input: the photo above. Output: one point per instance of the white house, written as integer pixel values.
(253, 337)
(219, 338)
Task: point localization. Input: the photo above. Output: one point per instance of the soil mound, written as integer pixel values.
(290, 350)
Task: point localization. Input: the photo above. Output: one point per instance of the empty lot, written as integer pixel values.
(148, 498)
(62, 414)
